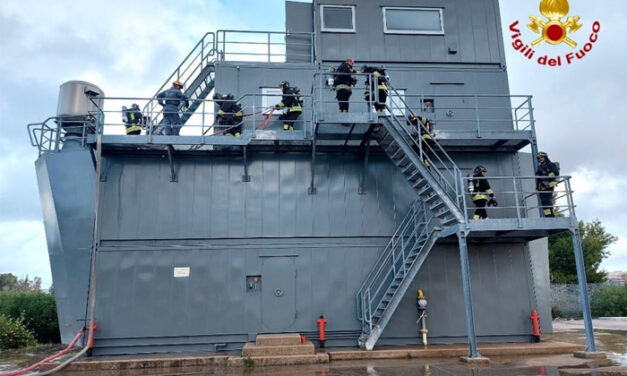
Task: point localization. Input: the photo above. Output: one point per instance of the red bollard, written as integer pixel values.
(303, 340)
(535, 322)
(322, 322)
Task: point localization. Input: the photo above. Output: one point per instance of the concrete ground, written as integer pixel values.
(610, 333)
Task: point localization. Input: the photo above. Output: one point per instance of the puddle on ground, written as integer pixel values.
(614, 342)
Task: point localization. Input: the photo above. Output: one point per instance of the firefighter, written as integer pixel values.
(342, 82)
(229, 115)
(133, 119)
(378, 83)
(480, 192)
(546, 182)
(171, 100)
(293, 102)
(423, 133)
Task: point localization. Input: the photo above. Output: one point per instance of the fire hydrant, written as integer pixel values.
(535, 323)
(322, 322)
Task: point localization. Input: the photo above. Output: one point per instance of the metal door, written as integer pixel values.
(278, 303)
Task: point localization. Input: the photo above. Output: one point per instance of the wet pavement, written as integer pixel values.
(612, 341)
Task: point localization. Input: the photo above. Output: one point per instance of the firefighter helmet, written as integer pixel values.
(217, 96)
(178, 84)
(479, 169)
(542, 154)
(284, 85)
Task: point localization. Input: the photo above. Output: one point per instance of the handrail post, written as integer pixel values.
(571, 206)
(202, 124)
(465, 180)
(269, 51)
(254, 121)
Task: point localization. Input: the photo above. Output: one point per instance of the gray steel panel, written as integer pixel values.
(470, 27)
(66, 185)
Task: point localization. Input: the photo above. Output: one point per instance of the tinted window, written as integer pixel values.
(407, 20)
(335, 18)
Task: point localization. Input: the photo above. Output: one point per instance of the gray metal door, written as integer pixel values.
(278, 303)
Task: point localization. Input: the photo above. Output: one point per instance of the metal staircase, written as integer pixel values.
(394, 271)
(196, 72)
(437, 181)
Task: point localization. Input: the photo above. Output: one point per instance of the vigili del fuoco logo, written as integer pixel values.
(554, 29)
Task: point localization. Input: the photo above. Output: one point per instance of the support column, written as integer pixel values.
(470, 316)
(583, 291)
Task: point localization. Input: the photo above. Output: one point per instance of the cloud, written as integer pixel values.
(23, 250)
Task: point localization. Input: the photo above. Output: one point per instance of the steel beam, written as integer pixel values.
(470, 316)
(583, 291)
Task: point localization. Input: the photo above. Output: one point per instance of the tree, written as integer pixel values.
(8, 282)
(595, 240)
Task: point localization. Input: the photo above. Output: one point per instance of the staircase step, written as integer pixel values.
(252, 349)
(409, 168)
(448, 221)
(419, 183)
(442, 214)
(414, 175)
(278, 339)
(437, 205)
(397, 154)
(433, 198)
(426, 189)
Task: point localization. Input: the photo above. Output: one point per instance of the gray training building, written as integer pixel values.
(203, 241)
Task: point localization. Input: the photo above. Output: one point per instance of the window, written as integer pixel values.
(338, 18)
(270, 96)
(412, 20)
(396, 102)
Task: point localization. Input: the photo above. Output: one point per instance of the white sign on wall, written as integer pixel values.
(181, 271)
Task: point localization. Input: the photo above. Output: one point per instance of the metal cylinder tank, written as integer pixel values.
(75, 99)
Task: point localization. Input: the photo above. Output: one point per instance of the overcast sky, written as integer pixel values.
(129, 47)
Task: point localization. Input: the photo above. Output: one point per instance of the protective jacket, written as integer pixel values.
(171, 99)
(344, 80)
(132, 119)
(291, 99)
(230, 112)
(481, 189)
(425, 130)
(378, 78)
(546, 173)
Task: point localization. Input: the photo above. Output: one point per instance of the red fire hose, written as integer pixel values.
(52, 357)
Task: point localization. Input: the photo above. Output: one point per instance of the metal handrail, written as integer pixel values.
(453, 170)
(251, 107)
(222, 43)
(519, 195)
(390, 264)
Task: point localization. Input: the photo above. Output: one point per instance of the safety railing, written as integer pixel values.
(265, 46)
(417, 225)
(189, 72)
(518, 197)
(54, 132)
(441, 165)
(454, 112)
(200, 55)
(484, 112)
(258, 116)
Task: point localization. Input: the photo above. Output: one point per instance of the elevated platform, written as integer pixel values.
(506, 230)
